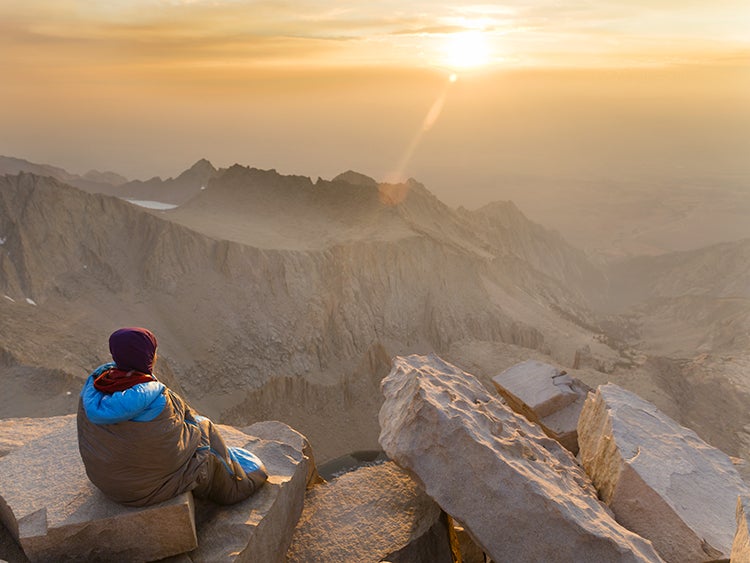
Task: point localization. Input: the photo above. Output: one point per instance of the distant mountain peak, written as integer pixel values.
(201, 170)
(203, 164)
(175, 191)
(355, 179)
(198, 174)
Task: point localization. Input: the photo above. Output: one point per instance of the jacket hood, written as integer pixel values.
(140, 403)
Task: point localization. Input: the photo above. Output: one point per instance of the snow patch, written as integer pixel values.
(30, 301)
(151, 204)
(9, 298)
(2, 240)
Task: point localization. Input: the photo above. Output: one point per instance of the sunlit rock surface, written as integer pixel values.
(741, 543)
(519, 493)
(369, 515)
(660, 479)
(546, 395)
(280, 432)
(16, 432)
(54, 512)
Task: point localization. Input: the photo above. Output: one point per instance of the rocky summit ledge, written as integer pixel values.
(52, 510)
(520, 495)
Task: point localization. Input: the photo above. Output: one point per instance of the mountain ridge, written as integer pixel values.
(302, 289)
(175, 190)
(232, 318)
(93, 181)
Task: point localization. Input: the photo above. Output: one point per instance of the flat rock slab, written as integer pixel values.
(261, 527)
(659, 478)
(741, 543)
(547, 396)
(16, 432)
(521, 495)
(369, 515)
(53, 511)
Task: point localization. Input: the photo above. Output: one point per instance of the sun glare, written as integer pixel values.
(468, 49)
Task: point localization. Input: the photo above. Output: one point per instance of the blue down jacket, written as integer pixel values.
(145, 445)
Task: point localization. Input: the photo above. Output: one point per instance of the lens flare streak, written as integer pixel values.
(427, 123)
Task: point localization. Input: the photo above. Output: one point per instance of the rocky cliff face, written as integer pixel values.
(336, 274)
(278, 297)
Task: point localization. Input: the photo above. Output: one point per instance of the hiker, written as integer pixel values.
(142, 444)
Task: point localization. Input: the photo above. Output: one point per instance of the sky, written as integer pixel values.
(452, 93)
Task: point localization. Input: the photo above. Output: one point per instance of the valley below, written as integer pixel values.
(276, 297)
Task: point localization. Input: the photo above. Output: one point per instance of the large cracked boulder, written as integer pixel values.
(521, 495)
(547, 396)
(659, 478)
(372, 514)
(54, 512)
(261, 527)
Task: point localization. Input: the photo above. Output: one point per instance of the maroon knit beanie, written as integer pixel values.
(133, 348)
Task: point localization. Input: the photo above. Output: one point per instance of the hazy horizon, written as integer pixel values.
(541, 93)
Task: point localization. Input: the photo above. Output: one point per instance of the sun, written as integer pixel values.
(467, 49)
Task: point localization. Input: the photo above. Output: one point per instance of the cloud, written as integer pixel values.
(77, 34)
(431, 30)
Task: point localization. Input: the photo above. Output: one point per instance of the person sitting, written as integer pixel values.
(142, 444)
